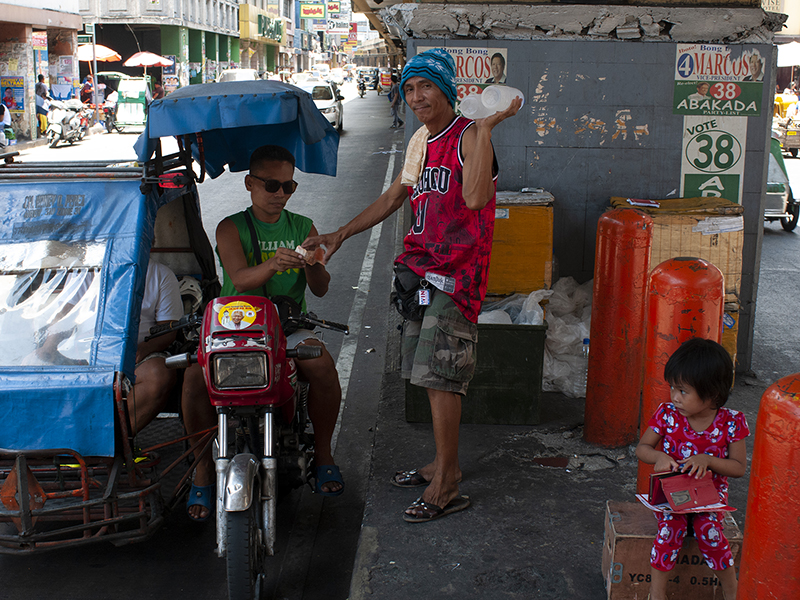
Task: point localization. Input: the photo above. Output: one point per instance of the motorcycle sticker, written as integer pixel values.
(237, 315)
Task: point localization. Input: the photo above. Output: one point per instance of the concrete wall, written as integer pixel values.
(598, 122)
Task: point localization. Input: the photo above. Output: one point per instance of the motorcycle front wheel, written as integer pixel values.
(52, 138)
(245, 554)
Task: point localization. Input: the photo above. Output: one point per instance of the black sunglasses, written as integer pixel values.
(273, 185)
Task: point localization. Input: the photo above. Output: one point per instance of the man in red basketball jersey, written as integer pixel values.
(452, 194)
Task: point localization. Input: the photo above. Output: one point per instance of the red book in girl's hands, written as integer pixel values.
(683, 492)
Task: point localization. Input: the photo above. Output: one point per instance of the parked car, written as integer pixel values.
(780, 203)
(238, 75)
(328, 100)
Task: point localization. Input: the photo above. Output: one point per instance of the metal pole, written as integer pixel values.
(94, 76)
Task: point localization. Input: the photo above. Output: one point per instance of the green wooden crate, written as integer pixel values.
(507, 386)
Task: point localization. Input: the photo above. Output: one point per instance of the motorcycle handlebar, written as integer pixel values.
(306, 321)
(185, 322)
(304, 352)
(180, 361)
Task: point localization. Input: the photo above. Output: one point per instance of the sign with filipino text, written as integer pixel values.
(711, 80)
(477, 68)
(334, 7)
(312, 11)
(712, 162)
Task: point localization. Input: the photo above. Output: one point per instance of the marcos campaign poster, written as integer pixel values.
(476, 68)
(711, 81)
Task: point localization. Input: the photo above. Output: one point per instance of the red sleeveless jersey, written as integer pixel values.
(447, 238)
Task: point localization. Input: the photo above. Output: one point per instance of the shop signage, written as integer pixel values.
(338, 27)
(270, 28)
(334, 7)
(312, 11)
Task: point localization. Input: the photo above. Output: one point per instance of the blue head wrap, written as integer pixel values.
(436, 65)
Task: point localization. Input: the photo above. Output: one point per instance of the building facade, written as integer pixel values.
(35, 38)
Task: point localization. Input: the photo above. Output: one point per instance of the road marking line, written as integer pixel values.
(344, 364)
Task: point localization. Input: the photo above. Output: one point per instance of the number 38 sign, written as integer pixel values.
(713, 157)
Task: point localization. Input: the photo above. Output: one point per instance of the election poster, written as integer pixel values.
(13, 93)
(713, 157)
(476, 68)
(711, 80)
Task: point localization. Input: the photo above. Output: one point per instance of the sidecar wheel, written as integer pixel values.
(245, 554)
(789, 224)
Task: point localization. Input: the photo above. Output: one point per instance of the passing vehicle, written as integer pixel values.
(337, 76)
(238, 75)
(74, 249)
(328, 100)
(370, 76)
(134, 95)
(780, 203)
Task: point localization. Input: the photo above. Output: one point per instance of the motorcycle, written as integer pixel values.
(66, 122)
(263, 448)
(110, 117)
(362, 87)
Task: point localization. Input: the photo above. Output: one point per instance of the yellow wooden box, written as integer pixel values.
(522, 250)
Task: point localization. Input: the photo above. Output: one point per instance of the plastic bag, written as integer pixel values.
(497, 317)
(532, 313)
(568, 324)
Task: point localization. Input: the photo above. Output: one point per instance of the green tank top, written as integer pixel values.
(289, 232)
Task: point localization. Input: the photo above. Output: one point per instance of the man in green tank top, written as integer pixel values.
(282, 271)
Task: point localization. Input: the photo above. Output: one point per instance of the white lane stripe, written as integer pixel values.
(344, 364)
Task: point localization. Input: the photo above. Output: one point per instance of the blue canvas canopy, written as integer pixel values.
(236, 117)
(97, 234)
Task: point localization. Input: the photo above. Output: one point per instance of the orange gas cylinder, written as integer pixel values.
(770, 566)
(614, 381)
(685, 299)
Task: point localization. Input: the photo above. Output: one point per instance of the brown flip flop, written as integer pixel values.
(431, 512)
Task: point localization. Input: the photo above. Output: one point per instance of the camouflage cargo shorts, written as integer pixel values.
(440, 351)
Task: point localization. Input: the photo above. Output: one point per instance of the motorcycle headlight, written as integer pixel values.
(240, 370)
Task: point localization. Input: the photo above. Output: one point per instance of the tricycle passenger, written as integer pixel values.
(154, 382)
(283, 272)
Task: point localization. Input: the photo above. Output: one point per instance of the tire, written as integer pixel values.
(341, 124)
(109, 125)
(245, 554)
(793, 152)
(793, 209)
(52, 139)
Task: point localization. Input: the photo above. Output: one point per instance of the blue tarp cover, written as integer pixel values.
(236, 117)
(49, 406)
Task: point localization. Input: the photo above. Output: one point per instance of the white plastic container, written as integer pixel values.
(472, 107)
(499, 97)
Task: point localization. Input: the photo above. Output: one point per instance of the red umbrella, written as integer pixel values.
(147, 59)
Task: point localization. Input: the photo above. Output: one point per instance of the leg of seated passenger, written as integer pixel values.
(198, 414)
(154, 382)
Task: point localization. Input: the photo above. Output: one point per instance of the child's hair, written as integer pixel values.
(270, 154)
(704, 365)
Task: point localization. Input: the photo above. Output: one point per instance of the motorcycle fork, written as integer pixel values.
(267, 496)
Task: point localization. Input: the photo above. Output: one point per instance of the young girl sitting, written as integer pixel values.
(693, 433)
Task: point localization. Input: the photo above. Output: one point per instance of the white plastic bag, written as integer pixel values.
(498, 317)
(532, 313)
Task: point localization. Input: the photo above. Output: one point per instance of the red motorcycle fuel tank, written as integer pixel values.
(242, 352)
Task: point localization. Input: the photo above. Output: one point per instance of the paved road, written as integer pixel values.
(317, 537)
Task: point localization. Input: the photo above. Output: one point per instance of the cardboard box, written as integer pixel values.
(630, 529)
(522, 249)
(707, 228)
(507, 386)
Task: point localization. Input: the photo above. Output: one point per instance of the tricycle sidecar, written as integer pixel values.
(75, 240)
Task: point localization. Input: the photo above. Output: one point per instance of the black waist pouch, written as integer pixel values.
(405, 298)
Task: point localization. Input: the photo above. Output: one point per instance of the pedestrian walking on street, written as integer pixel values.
(695, 434)
(394, 98)
(450, 178)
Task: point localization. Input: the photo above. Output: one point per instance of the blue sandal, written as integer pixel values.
(201, 495)
(327, 474)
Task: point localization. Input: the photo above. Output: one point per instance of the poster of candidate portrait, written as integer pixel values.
(476, 68)
(13, 93)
